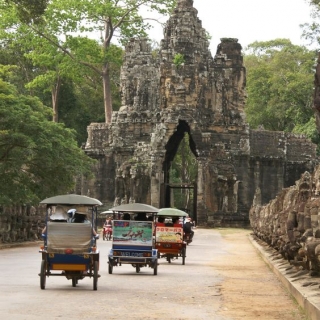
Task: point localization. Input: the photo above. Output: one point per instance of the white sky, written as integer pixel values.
(249, 20)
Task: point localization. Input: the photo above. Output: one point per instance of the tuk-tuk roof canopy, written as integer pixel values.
(172, 212)
(135, 207)
(72, 199)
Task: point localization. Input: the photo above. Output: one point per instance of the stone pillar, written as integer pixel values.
(201, 208)
(156, 180)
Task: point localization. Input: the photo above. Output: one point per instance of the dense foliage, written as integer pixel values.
(280, 87)
(76, 38)
(38, 157)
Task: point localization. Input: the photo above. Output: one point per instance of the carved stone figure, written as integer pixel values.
(295, 213)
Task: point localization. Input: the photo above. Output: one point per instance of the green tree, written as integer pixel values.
(38, 157)
(67, 24)
(30, 10)
(280, 86)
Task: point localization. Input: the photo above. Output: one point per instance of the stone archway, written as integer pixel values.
(205, 97)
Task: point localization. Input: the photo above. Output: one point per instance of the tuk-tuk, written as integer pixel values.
(69, 248)
(169, 234)
(132, 237)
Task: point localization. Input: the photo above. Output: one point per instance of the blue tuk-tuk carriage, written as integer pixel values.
(69, 248)
(133, 239)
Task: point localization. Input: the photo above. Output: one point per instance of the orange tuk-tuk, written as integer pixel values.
(169, 234)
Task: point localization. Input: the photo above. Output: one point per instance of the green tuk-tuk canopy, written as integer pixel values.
(172, 212)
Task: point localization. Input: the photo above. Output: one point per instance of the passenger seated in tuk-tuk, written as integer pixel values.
(173, 222)
(80, 217)
(71, 213)
(58, 215)
(141, 216)
(160, 221)
(176, 222)
(126, 216)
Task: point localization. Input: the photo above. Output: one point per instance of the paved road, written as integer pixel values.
(206, 287)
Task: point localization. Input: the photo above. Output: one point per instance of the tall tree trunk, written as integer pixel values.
(107, 99)
(55, 95)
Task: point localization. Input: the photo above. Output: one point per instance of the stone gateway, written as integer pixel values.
(184, 90)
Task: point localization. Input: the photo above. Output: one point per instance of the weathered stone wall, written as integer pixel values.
(203, 97)
(290, 223)
(18, 224)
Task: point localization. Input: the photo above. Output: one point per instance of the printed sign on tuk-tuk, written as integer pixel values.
(169, 234)
(138, 233)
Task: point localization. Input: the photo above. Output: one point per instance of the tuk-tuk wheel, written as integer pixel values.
(137, 268)
(74, 282)
(43, 275)
(110, 268)
(169, 259)
(183, 254)
(155, 268)
(95, 275)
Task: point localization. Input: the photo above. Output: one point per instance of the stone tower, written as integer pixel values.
(184, 90)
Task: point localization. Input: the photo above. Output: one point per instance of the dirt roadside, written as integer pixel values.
(251, 290)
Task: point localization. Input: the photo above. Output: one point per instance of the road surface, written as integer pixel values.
(224, 278)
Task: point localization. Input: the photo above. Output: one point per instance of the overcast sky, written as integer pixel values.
(250, 20)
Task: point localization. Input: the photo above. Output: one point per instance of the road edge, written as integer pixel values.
(308, 298)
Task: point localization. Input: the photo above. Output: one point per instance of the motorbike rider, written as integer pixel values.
(108, 222)
(187, 227)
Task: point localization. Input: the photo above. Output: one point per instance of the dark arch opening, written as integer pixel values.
(172, 148)
(173, 145)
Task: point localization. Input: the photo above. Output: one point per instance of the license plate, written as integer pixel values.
(130, 254)
(167, 245)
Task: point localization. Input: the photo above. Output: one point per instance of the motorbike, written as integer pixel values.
(187, 237)
(107, 232)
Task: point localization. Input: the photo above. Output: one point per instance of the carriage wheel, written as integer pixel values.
(110, 268)
(137, 268)
(183, 256)
(43, 275)
(74, 282)
(95, 275)
(155, 268)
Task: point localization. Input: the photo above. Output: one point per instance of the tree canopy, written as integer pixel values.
(280, 86)
(83, 31)
(38, 157)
